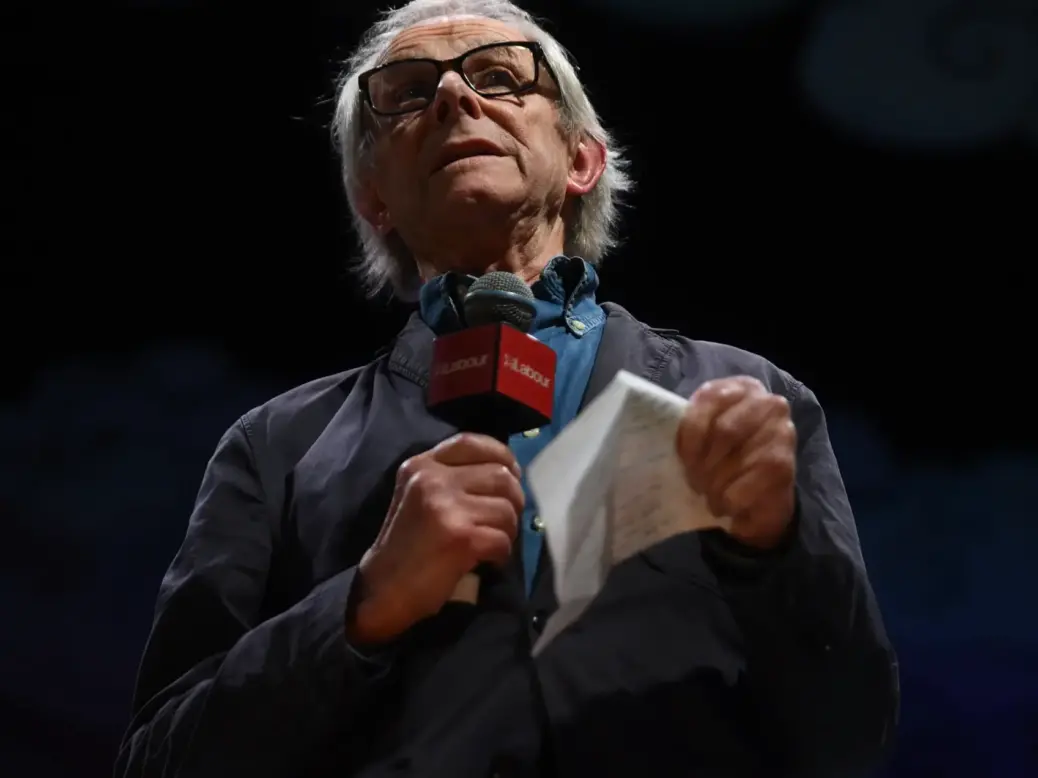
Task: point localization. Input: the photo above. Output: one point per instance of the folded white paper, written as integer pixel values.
(611, 485)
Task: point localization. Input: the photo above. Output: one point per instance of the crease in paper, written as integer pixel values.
(609, 486)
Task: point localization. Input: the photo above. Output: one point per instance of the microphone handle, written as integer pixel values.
(467, 590)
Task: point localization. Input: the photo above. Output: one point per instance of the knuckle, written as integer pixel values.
(711, 388)
(420, 480)
(778, 462)
(502, 480)
(408, 469)
(777, 404)
(789, 431)
(429, 504)
(726, 427)
(428, 488)
(505, 483)
(478, 443)
(465, 439)
(751, 382)
(461, 440)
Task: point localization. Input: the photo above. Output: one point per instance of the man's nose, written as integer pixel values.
(454, 97)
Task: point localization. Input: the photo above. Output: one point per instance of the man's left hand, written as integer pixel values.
(738, 444)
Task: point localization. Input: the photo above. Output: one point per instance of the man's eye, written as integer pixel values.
(409, 92)
(497, 77)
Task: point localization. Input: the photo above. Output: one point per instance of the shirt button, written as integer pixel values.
(538, 523)
(532, 433)
(579, 326)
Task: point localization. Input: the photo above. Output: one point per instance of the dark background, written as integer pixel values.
(846, 188)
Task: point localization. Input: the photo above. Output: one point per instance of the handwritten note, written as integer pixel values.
(610, 486)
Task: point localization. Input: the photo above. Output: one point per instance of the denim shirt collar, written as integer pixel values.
(564, 296)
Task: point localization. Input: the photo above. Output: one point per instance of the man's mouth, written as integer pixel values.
(466, 150)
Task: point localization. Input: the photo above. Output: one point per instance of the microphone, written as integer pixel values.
(492, 376)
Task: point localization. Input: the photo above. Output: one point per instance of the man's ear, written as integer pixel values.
(587, 163)
(372, 208)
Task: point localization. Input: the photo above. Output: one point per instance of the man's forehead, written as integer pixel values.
(445, 38)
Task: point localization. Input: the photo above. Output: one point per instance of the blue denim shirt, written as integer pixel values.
(569, 320)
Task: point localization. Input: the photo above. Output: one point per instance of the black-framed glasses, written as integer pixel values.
(493, 70)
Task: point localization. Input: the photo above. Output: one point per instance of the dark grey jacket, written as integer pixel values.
(697, 659)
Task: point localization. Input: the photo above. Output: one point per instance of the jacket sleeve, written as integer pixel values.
(218, 692)
(820, 665)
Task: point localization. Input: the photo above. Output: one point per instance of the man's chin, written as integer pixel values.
(463, 197)
(475, 183)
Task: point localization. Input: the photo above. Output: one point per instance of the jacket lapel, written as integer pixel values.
(629, 345)
(410, 354)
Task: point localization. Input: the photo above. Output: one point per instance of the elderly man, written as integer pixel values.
(302, 630)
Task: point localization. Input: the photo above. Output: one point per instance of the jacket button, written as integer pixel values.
(538, 619)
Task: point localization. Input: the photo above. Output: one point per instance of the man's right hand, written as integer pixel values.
(454, 506)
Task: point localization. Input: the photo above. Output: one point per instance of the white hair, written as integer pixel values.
(591, 229)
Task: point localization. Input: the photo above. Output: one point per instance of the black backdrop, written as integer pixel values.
(852, 197)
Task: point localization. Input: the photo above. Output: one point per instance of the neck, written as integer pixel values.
(526, 253)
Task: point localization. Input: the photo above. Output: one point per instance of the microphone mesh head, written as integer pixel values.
(499, 297)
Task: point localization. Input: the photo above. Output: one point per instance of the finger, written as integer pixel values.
(752, 384)
(490, 480)
(737, 425)
(776, 434)
(408, 467)
(470, 448)
(770, 467)
(707, 402)
(494, 512)
(763, 523)
(719, 479)
(489, 544)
